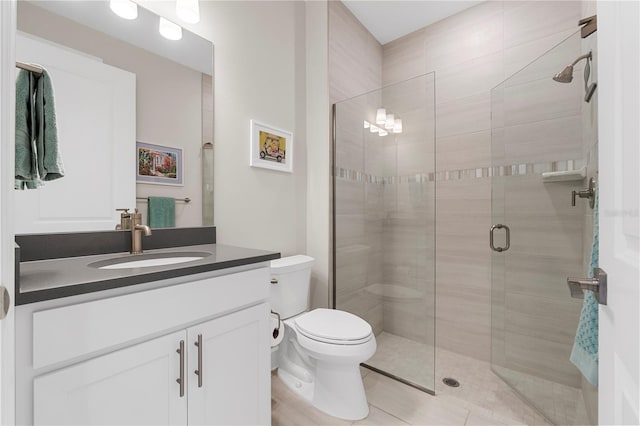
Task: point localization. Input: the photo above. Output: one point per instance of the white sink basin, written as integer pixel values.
(149, 260)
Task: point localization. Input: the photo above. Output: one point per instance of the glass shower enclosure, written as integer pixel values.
(541, 129)
(384, 223)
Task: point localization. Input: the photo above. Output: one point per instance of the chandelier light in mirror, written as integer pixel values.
(188, 11)
(389, 122)
(397, 125)
(124, 8)
(170, 30)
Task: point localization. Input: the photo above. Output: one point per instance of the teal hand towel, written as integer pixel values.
(584, 354)
(26, 166)
(49, 162)
(37, 154)
(161, 212)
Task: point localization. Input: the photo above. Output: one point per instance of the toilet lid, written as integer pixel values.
(333, 326)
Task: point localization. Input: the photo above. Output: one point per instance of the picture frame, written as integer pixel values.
(159, 165)
(270, 148)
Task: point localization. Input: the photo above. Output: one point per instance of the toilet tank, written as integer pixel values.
(290, 277)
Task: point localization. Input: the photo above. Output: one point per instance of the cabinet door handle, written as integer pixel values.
(181, 379)
(199, 370)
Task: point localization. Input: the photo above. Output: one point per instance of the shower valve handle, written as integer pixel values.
(589, 193)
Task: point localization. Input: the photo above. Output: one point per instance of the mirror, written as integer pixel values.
(118, 83)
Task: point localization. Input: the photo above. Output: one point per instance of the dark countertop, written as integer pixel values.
(62, 277)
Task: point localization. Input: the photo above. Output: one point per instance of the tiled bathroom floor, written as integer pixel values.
(391, 403)
(482, 399)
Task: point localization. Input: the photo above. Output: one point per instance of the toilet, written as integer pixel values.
(321, 350)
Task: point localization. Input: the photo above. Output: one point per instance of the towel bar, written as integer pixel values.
(186, 200)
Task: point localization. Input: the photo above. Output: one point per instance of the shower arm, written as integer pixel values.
(579, 58)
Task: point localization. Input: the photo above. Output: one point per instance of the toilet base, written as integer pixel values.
(336, 389)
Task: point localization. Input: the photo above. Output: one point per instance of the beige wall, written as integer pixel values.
(167, 114)
(318, 150)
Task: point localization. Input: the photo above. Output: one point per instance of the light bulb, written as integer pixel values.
(388, 124)
(188, 11)
(124, 8)
(170, 30)
(374, 129)
(383, 132)
(366, 124)
(381, 116)
(397, 126)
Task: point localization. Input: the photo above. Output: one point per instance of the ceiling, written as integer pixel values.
(391, 19)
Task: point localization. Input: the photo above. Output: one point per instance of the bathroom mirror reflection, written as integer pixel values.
(116, 82)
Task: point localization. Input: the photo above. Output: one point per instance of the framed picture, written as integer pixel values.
(271, 148)
(158, 164)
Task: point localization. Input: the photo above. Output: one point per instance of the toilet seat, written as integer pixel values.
(333, 326)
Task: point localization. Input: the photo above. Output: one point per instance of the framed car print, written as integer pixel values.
(271, 148)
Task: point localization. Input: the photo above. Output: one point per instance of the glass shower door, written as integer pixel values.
(540, 127)
(384, 223)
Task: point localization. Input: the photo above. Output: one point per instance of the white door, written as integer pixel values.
(96, 120)
(619, 139)
(132, 386)
(7, 135)
(235, 366)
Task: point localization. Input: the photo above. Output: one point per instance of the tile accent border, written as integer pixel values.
(521, 169)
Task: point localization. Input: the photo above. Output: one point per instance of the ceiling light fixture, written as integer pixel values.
(366, 124)
(170, 30)
(381, 116)
(124, 8)
(374, 129)
(383, 132)
(188, 11)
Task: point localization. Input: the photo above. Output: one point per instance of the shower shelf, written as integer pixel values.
(567, 175)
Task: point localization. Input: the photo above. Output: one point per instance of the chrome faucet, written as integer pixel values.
(136, 232)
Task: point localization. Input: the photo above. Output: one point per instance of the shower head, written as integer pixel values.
(566, 75)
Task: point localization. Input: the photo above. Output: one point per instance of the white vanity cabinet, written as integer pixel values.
(233, 385)
(117, 360)
(132, 386)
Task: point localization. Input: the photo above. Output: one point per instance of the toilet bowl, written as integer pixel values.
(320, 354)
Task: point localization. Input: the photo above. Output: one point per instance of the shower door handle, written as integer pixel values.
(507, 238)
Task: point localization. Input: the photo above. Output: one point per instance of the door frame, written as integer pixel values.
(7, 252)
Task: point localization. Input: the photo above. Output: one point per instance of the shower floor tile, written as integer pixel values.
(404, 358)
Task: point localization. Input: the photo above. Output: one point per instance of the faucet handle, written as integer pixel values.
(125, 219)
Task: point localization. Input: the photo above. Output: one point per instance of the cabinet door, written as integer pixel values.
(132, 386)
(235, 366)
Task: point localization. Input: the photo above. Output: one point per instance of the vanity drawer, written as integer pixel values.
(72, 332)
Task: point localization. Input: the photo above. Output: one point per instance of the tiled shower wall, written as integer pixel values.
(471, 52)
(355, 68)
(590, 144)
(384, 215)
